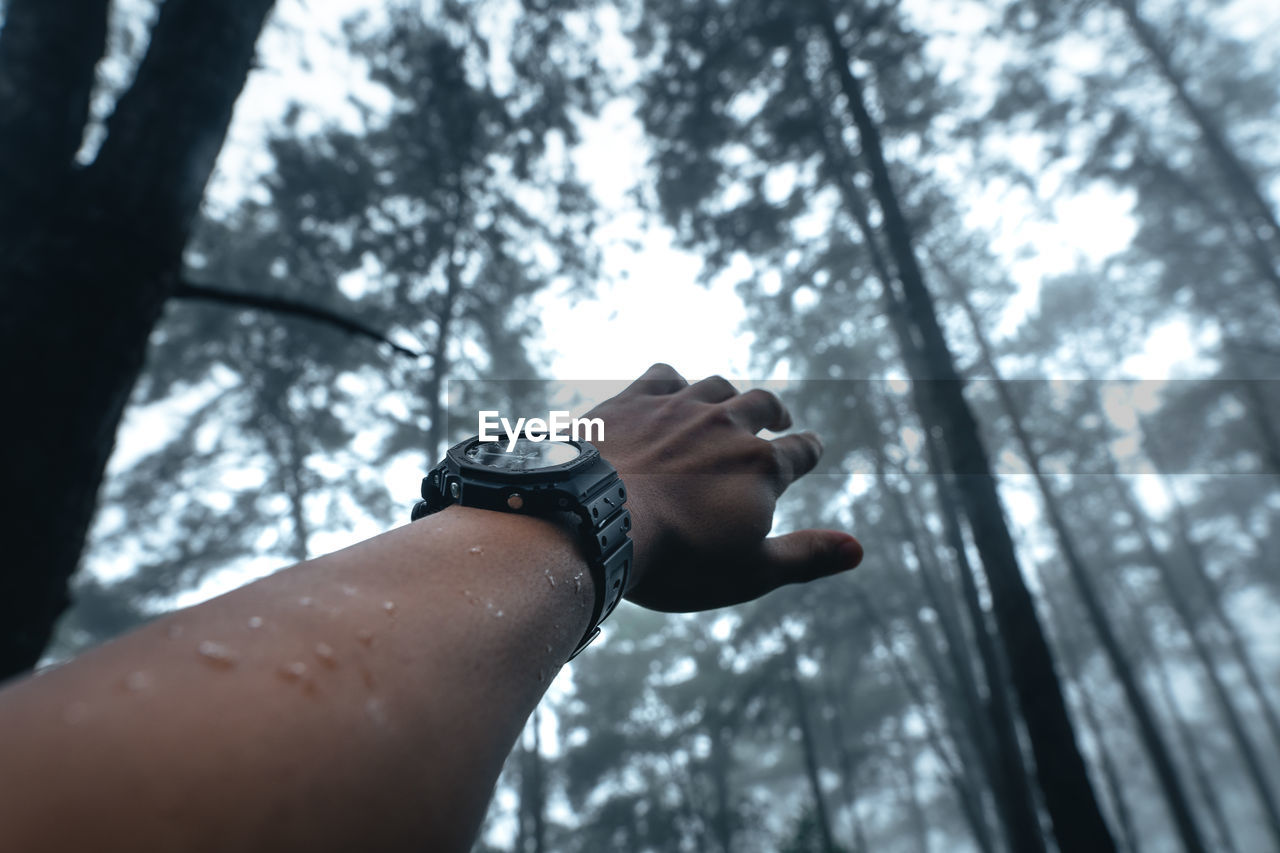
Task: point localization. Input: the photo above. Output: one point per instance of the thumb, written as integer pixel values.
(807, 555)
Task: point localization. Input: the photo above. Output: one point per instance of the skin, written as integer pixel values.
(367, 699)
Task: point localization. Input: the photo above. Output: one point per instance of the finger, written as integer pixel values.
(659, 379)
(797, 455)
(804, 556)
(713, 389)
(759, 409)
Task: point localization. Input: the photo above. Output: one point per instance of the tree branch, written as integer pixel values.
(280, 305)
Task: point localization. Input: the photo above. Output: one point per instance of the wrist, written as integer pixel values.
(530, 479)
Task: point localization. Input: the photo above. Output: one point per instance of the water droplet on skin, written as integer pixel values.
(217, 654)
(390, 607)
(349, 590)
(138, 681)
(255, 622)
(498, 614)
(324, 651)
(475, 549)
(75, 713)
(293, 671)
(306, 601)
(550, 579)
(376, 711)
(175, 631)
(365, 636)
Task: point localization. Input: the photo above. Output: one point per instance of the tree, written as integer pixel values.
(103, 239)
(437, 211)
(780, 54)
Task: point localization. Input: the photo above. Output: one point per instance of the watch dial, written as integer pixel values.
(525, 456)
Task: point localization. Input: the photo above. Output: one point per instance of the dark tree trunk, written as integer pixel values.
(1069, 796)
(1003, 760)
(88, 257)
(1073, 656)
(1152, 738)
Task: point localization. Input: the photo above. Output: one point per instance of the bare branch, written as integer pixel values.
(280, 305)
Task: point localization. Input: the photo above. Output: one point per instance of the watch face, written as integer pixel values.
(525, 456)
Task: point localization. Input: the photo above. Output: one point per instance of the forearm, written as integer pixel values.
(346, 703)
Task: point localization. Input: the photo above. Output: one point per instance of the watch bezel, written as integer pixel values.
(587, 455)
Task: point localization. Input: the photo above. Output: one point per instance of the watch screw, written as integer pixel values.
(454, 490)
(515, 501)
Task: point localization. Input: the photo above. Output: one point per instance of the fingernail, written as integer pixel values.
(850, 553)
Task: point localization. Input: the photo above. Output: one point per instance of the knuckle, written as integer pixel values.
(720, 383)
(763, 457)
(768, 401)
(716, 417)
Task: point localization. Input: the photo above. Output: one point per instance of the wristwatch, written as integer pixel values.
(544, 478)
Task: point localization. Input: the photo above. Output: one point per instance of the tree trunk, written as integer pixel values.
(1248, 751)
(965, 790)
(1152, 739)
(722, 820)
(919, 823)
(1211, 594)
(1190, 743)
(532, 825)
(88, 257)
(1069, 796)
(809, 747)
(1072, 655)
(848, 768)
(1007, 771)
(438, 410)
(1244, 186)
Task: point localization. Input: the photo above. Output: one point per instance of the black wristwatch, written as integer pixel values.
(544, 478)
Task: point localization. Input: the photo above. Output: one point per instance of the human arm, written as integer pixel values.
(422, 653)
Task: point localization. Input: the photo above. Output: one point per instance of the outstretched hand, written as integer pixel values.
(702, 487)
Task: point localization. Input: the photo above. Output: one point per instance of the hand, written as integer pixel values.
(702, 487)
